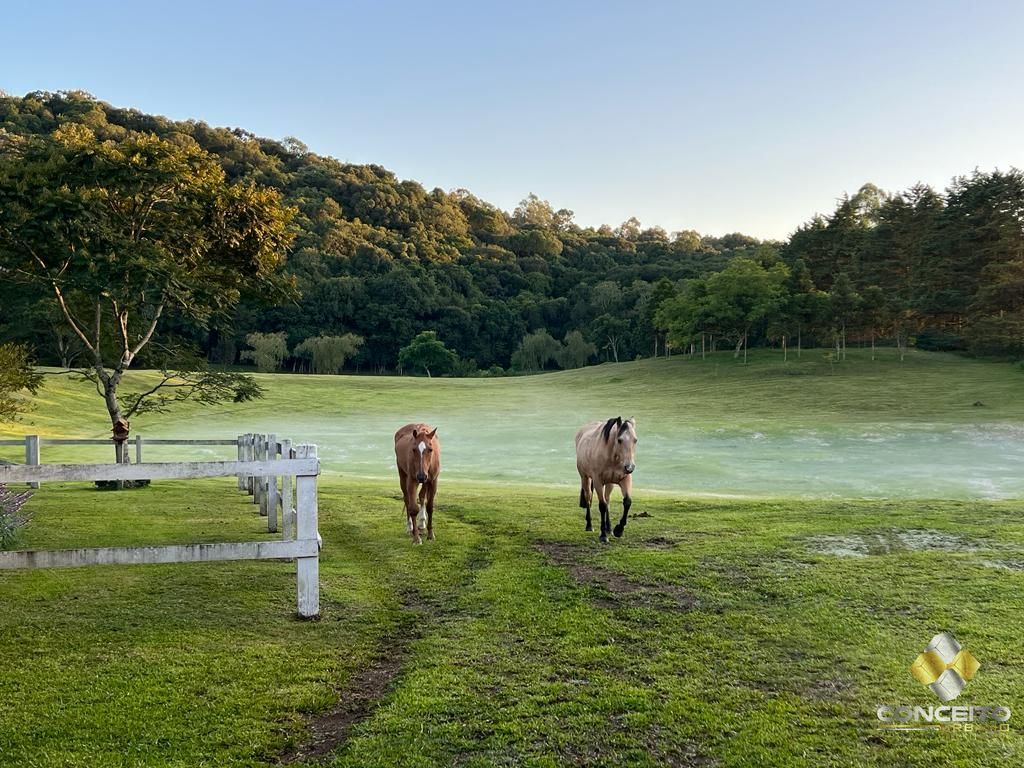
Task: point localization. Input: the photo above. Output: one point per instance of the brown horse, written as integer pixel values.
(418, 453)
(605, 457)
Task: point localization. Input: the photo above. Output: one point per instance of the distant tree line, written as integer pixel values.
(389, 276)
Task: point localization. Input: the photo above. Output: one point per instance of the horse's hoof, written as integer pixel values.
(430, 536)
(589, 527)
(618, 531)
(417, 542)
(604, 538)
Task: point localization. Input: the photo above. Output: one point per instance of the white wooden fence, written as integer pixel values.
(271, 470)
(33, 445)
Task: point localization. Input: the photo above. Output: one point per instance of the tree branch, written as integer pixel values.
(152, 327)
(167, 376)
(71, 321)
(99, 317)
(122, 323)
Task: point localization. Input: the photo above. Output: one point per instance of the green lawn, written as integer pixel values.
(863, 429)
(757, 631)
(712, 633)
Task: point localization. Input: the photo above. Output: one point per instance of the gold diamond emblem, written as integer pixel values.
(945, 667)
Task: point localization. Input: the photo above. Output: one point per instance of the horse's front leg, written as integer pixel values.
(430, 509)
(627, 501)
(411, 509)
(421, 516)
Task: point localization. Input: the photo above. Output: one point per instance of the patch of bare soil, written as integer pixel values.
(659, 542)
(1006, 565)
(833, 689)
(329, 730)
(887, 541)
(613, 589)
(368, 688)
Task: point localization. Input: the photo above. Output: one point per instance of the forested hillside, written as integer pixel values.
(379, 261)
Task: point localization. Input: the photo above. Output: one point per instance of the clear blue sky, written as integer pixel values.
(715, 116)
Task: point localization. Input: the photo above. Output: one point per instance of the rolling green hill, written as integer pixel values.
(859, 428)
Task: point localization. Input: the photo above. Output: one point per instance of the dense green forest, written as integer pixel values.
(387, 275)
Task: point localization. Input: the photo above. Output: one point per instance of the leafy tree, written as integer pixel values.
(610, 331)
(664, 290)
(327, 354)
(534, 212)
(17, 375)
(127, 234)
(536, 351)
(427, 353)
(576, 351)
(998, 309)
(875, 312)
(844, 305)
(268, 350)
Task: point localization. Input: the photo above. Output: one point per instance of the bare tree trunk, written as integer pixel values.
(739, 343)
(744, 348)
(702, 351)
(119, 425)
(799, 341)
(785, 351)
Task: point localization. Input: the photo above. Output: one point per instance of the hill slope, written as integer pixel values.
(863, 428)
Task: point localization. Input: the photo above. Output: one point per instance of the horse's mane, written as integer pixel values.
(607, 430)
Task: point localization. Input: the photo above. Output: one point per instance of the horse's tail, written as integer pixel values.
(583, 493)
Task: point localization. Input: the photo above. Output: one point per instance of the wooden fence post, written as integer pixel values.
(239, 447)
(250, 488)
(287, 508)
(261, 480)
(138, 449)
(271, 481)
(308, 567)
(32, 454)
(257, 481)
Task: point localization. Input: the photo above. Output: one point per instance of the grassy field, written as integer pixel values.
(863, 429)
(713, 633)
(748, 632)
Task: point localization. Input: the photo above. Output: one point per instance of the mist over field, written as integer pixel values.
(877, 429)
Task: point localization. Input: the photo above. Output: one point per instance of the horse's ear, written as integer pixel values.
(430, 435)
(415, 434)
(607, 430)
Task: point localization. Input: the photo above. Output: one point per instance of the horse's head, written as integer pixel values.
(624, 445)
(422, 448)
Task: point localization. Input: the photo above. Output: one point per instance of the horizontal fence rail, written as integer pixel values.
(174, 470)
(279, 476)
(172, 553)
(34, 443)
(110, 441)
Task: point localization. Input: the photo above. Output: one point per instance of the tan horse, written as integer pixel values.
(418, 454)
(605, 457)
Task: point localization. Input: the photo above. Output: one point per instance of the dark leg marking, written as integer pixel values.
(627, 502)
